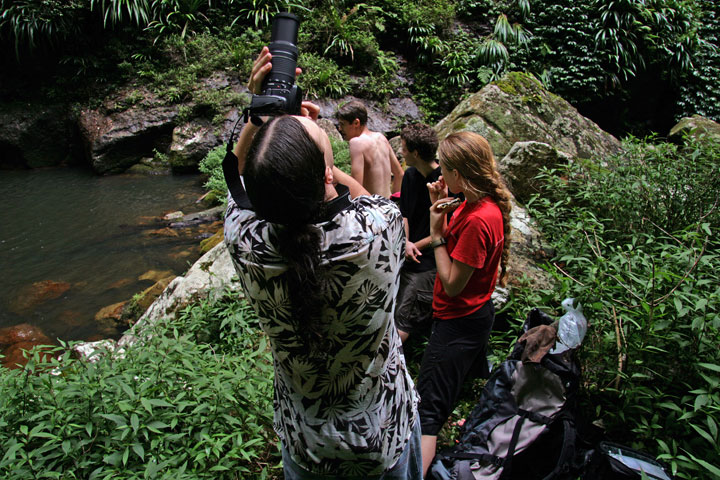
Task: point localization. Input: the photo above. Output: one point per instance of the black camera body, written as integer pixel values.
(279, 93)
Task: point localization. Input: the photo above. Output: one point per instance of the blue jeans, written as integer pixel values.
(408, 466)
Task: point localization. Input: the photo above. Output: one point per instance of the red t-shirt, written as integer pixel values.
(475, 237)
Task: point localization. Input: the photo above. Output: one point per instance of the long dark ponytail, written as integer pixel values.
(283, 176)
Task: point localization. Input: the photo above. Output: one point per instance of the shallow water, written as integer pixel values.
(94, 236)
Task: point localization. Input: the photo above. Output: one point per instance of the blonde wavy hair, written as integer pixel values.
(470, 154)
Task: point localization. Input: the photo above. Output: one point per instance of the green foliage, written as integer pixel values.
(383, 82)
(343, 32)
(700, 89)
(640, 250)
(175, 73)
(341, 154)
(604, 53)
(211, 166)
(113, 12)
(262, 11)
(563, 46)
(31, 23)
(194, 400)
(664, 31)
(322, 78)
(178, 17)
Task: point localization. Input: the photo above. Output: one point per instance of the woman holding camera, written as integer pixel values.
(468, 251)
(320, 270)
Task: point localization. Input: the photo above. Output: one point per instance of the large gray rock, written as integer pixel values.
(135, 122)
(517, 108)
(694, 126)
(190, 144)
(114, 140)
(192, 141)
(523, 162)
(36, 135)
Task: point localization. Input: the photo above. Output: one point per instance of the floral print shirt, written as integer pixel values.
(348, 410)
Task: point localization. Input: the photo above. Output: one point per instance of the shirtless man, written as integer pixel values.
(372, 160)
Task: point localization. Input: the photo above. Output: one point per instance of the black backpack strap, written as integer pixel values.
(567, 451)
(523, 414)
(507, 465)
(231, 174)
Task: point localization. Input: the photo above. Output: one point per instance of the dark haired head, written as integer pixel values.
(284, 173)
(352, 110)
(284, 178)
(422, 139)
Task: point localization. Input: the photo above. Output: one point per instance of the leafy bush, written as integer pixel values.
(211, 166)
(33, 23)
(194, 400)
(639, 248)
(700, 89)
(322, 77)
(343, 32)
(382, 83)
(671, 186)
(341, 154)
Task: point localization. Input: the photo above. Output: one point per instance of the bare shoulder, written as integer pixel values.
(361, 142)
(379, 136)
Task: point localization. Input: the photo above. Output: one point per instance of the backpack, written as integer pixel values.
(523, 426)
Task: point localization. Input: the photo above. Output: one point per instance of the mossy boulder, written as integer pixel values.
(517, 108)
(695, 126)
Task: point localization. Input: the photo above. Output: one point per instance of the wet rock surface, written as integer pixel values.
(32, 295)
(17, 341)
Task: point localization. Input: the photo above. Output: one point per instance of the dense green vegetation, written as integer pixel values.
(632, 65)
(193, 401)
(637, 241)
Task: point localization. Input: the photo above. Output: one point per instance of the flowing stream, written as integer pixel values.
(72, 243)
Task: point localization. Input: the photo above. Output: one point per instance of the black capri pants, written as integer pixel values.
(456, 349)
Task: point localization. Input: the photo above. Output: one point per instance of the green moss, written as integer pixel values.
(506, 86)
(532, 99)
(516, 82)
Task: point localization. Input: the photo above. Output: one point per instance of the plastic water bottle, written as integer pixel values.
(571, 328)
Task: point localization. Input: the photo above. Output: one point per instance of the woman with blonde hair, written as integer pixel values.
(471, 253)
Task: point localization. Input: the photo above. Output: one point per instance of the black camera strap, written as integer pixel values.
(230, 171)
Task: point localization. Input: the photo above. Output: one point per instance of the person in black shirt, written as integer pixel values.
(413, 309)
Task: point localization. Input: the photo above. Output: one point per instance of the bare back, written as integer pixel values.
(371, 158)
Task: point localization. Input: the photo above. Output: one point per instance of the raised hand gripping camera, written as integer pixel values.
(279, 92)
(278, 95)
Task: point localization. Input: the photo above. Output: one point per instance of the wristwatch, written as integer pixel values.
(438, 242)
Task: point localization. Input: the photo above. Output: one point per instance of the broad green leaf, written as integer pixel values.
(139, 450)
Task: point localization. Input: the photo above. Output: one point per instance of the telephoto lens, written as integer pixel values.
(283, 47)
(279, 93)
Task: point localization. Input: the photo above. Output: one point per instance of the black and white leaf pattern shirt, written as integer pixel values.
(348, 410)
